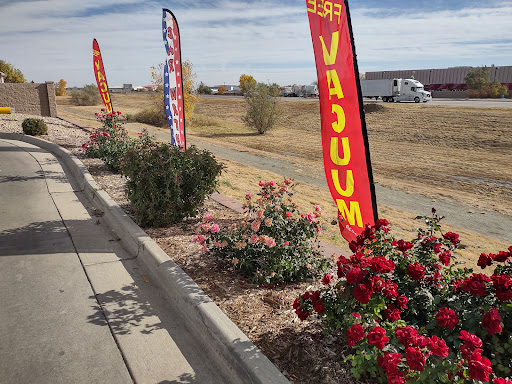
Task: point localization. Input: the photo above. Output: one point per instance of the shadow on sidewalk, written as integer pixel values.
(126, 312)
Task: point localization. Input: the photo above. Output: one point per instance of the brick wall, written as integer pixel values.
(29, 98)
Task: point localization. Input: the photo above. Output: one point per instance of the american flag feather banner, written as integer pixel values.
(173, 83)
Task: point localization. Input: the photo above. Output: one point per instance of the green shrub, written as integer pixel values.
(110, 142)
(167, 184)
(89, 95)
(34, 127)
(275, 243)
(204, 89)
(262, 107)
(152, 116)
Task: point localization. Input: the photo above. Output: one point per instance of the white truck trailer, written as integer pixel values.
(391, 90)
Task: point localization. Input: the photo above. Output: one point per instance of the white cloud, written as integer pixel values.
(269, 40)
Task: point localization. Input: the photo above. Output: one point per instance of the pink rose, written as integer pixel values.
(255, 226)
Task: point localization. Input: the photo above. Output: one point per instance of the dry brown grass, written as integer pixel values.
(451, 152)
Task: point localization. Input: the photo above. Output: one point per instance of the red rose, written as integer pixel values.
(447, 318)
(362, 294)
(403, 246)
(415, 359)
(390, 290)
(475, 284)
(479, 367)
(420, 341)
(501, 380)
(444, 257)
(471, 343)
(484, 260)
(380, 264)
(318, 306)
(502, 256)
(303, 315)
(389, 362)
(406, 335)
(327, 279)
(354, 334)
(492, 321)
(396, 378)
(401, 302)
(438, 347)
(374, 283)
(437, 247)
(416, 271)
(502, 287)
(381, 223)
(355, 275)
(453, 237)
(296, 303)
(378, 337)
(392, 313)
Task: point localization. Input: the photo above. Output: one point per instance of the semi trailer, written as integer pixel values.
(395, 90)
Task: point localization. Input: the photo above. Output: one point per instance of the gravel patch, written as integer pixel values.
(65, 134)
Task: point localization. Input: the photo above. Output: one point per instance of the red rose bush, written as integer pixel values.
(274, 242)
(412, 314)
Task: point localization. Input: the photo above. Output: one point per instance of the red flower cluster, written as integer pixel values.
(416, 271)
(479, 367)
(486, 260)
(402, 245)
(377, 336)
(475, 284)
(389, 363)
(492, 321)
(354, 334)
(453, 237)
(471, 343)
(447, 318)
(312, 298)
(502, 287)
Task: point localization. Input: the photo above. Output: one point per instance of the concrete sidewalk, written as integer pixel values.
(77, 304)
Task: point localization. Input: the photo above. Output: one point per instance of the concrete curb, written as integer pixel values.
(218, 333)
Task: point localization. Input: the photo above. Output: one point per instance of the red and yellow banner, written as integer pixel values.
(344, 138)
(99, 73)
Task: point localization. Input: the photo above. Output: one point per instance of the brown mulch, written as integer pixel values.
(299, 349)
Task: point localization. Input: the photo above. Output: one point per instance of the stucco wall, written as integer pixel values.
(29, 98)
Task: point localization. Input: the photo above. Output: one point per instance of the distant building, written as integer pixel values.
(126, 88)
(447, 79)
(2, 75)
(230, 89)
(151, 88)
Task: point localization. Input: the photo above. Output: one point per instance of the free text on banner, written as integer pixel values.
(101, 79)
(173, 83)
(344, 138)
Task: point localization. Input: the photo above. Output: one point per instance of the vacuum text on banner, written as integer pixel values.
(344, 138)
(101, 79)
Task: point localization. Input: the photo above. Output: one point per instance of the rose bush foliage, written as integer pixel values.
(110, 142)
(274, 242)
(412, 314)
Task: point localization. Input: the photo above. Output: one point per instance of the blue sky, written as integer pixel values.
(268, 39)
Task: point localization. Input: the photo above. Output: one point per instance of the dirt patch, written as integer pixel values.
(372, 108)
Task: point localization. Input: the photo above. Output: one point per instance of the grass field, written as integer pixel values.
(454, 153)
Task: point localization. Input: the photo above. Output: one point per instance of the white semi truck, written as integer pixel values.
(392, 90)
